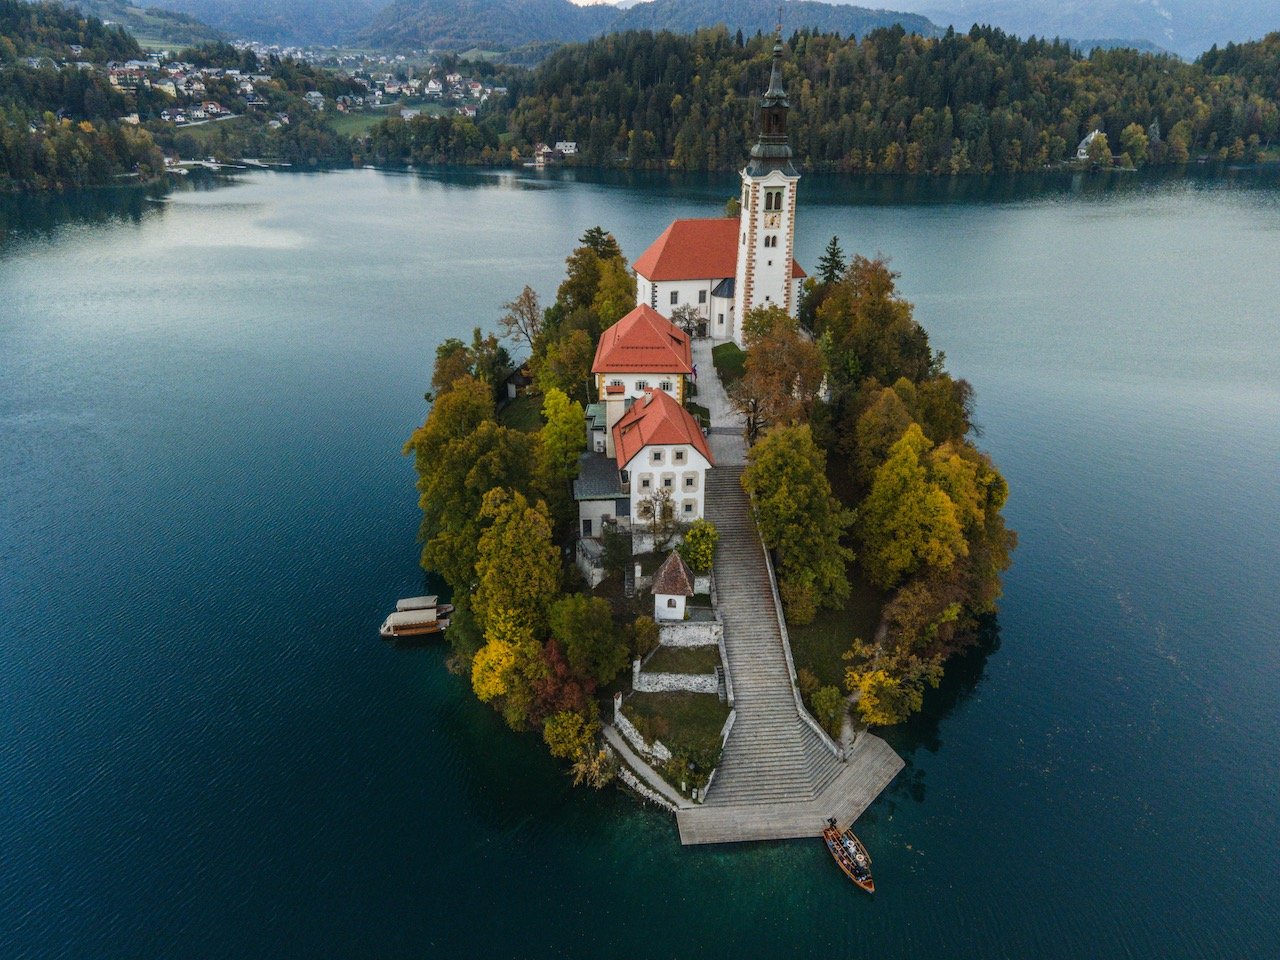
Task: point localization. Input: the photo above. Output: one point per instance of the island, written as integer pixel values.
(727, 448)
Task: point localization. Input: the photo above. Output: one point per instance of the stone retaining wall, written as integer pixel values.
(645, 792)
(657, 752)
(691, 633)
(672, 682)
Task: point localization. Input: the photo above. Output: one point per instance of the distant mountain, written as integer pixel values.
(483, 24)
(280, 21)
(150, 25)
(749, 16)
(1187, 27)
(506, 24)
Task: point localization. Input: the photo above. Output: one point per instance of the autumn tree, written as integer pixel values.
(867, 330)
(453, 483)
(600, 242)
(584, 627)
(1099, 150)
(698, 547)
(615, 294)
(1134, 142)
(783, 370)
(881, 425)
(907, 522)
(517, 564)
(560, 443)
(522, 322)
(800, 520)
(566, 366)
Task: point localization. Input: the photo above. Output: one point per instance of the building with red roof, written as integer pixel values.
(659, 447)
(724, 266)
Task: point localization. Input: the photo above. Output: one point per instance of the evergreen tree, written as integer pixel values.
(832, 265)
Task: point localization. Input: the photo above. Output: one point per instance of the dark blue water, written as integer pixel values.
(206, 752)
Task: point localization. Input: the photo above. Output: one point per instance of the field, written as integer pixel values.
(684, 660)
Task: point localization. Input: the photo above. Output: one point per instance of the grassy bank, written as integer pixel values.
(820, 646)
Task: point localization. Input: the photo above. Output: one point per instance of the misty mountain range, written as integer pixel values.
(1186, 27)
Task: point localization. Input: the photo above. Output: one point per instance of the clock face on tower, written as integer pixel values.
(772, 221)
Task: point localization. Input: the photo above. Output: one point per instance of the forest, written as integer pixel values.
(982, 101)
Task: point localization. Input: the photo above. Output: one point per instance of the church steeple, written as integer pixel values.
(766, 273)
(772, 151)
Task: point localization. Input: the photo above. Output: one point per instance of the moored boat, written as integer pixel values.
(847, 851)
(412, 623)
(424, 603)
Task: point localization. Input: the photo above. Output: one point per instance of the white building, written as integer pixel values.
(672, 586)
(642, 351)
(723, 266)
(660, 449)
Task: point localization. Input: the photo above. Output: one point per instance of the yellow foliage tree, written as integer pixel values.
(570, 735)
(491, 669)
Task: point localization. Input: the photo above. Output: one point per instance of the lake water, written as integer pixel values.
(205, 751)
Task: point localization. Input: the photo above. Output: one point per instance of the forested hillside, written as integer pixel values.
(894, 102)
(761, 16)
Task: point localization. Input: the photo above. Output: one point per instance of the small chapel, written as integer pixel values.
(722, 267)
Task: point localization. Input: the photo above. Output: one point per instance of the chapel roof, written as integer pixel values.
(674, 578)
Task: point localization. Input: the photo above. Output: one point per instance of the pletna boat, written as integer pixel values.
(412, 623)
(847, 850)
(424, 603)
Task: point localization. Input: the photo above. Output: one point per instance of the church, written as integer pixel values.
(722, 267)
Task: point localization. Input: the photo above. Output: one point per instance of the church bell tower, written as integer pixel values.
(768, 220)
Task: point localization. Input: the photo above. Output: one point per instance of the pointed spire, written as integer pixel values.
(771, 149)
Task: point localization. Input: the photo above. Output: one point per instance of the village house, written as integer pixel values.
(661, 451)
(567, 148)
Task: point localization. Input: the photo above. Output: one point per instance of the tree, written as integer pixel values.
(906, 521)
(517, 565)
(601, 243)
(783, 372)
(881, 425)
(866, 330)
(453, 486)
(658, 512)
(584, 626)
(1134, 142)
(453, 362)
(615, 294)
(687, 318)
(566, 366)
(799, 520)
(582, 278)
(561, 442)
(1099, 150)
(523, 320)
(883, 700)
(828, 708)
(733, 208)
(832, 265)
(570, 735)
(699, 545)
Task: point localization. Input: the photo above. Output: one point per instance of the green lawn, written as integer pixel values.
(523, 413)
(820, 646)
(729, 359)
(678, 718)
(684, 660)
(211, 132)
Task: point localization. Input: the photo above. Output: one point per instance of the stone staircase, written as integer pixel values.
(778, 777)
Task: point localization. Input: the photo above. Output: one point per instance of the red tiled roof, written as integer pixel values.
(656, 418)
(696, 250)
(692, 250)
(644, 341)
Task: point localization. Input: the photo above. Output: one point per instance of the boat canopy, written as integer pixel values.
(410, 618)
(416, 603)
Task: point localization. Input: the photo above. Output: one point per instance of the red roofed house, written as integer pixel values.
(644, 350)
(659, 446)
(724, 267)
